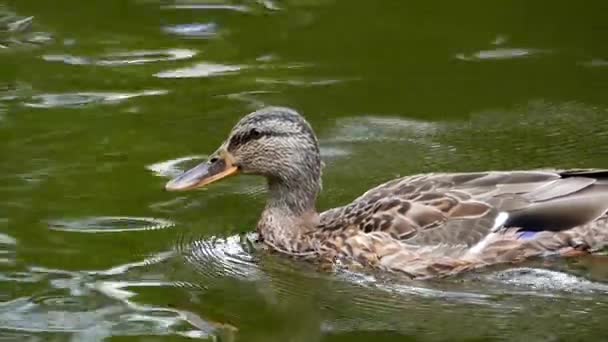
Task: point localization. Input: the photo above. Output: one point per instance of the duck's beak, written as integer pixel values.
(204, 173)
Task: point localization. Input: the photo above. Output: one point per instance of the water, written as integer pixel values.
(102, 101)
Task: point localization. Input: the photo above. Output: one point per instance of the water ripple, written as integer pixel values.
(175, 205)
(109, 224)
(19, 25)
(89, 308)
(596, 63)
(217, 257)
(417, 289)
(377, 128)
(200, 70)
(500, 40)
(502, 53)
(7, 249)
(97, 322)
(542, 281)
(7, 240)
(16, 31)
(249, 97)
(174, 167)
(86, 98)
(166, 320)
(299, 83)
(194, 30)
(124, 268)
(124, 58)
(188, 5)
(333, 152)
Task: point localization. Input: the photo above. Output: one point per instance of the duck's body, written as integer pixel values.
(424, 225)
(440, 224)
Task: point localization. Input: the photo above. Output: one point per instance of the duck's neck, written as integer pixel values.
(290, 211)
(294, 198)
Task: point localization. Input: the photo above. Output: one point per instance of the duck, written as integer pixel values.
(424, 226)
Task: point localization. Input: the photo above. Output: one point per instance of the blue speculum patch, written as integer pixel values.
(527, 235)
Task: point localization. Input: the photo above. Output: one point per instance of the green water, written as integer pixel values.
(101, 100)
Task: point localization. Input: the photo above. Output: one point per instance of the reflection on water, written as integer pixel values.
(596, 62)
(7, 248)
(199, 70)
(174, 167)
(219, 257)
(110, 224)
(187, 5)
(92, 309)
(86, 98)
(99, 100)
(547, 281)
(16, 31)
(125, 58)
(95, 304)
(299, 83)
(207, 30)
(379, 129)
(498, 54)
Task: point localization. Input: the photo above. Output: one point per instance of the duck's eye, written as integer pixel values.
(242, 138)
(214, 160)
(254, 133)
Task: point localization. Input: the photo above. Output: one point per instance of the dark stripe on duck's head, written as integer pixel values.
(270, 122)
(253, 134)
(277, 114)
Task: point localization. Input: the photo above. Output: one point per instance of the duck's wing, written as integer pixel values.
(462, 208)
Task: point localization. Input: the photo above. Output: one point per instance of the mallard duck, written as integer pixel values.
(426, 225)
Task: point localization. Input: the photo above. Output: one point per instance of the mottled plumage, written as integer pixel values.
(423, 225)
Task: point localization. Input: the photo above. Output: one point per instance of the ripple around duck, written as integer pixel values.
(280, 279)
(109, 224)
(220, 257)
(403, 287)
(124, 58)
(200, 70)
(79, 99)
(542, 281)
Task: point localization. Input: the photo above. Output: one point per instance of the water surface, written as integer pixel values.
(102, 101)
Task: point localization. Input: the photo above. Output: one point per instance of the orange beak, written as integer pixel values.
(204, 173)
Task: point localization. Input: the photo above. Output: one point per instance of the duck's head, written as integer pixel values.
(274, 142)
